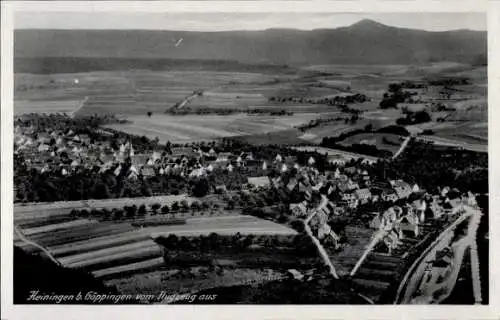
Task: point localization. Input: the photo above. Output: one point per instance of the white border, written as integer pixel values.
(245, 311)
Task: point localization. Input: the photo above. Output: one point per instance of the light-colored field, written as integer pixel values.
(98, 246)
(469, 134)
(208, 127)
(49, 106)
(392, 142)
(222, 225)
(127, 92)
(43, 211)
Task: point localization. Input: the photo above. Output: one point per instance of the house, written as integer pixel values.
(402, 189)
(299, 209)
(323, 230)
(75, 163)
(85, 139)
(132, 173)
(223, 157)
(363, 195)
(43, 147)
(387, 244)
(389, 217)
(311, 161)
(376, 221)
(259, 182)
(306, 189)
(348, 196)
(220, 189)
(147, 171)
(336, 159)
(409, 225)
(295, 274)
(264, 165)
(291, 185)
(117, 170)
(44, 137)
(139, 160)
(350, 170)
(389, 195)
(420, 209)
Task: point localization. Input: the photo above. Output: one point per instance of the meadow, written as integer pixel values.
(132, 94)
(207, 127)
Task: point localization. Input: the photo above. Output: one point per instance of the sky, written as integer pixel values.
(242, 21)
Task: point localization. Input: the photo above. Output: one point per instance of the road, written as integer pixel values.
(378, 236)
(453, 143)
(321, 250)
(403, 147)
(36, 245)
(412, 279)
(82, 104)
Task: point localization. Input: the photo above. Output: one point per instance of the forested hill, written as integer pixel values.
(366, 42)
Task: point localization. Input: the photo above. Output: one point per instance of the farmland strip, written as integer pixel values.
(107, 251)
(132, 267)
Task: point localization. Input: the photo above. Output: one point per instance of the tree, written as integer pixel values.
(195, 206)
(74, 213)
(150, 114)
(142, 210)
(422, 116)
(155, 207)
(118, 214)
(165, 209)
(175, 206)
(201, 188)
(84, 213)
(184, 205)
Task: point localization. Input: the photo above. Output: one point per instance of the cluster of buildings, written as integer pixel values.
(411, 219)
(65, 153)
(323, 195)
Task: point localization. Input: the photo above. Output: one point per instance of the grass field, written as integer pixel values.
(133, 93)
(383, 141)
(49, 106)
(97, 246)
(208, 127)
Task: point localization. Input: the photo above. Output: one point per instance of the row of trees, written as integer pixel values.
(394, 95)
(414, 118)
(226, 111)
(332, 101)
(237, 242)
(134, 211)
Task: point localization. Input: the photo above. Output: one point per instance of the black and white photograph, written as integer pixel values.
(276, 158)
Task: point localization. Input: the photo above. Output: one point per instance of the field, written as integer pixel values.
(129, 258)
(45, 213)
(383, 141)
(132, 93)
(111, 248)
(63, 106)
(208, 127)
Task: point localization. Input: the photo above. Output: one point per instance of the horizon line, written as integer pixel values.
(364, 20)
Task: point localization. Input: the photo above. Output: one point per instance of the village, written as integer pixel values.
(393, 209)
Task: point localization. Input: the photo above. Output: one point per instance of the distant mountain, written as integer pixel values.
(365, 42)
